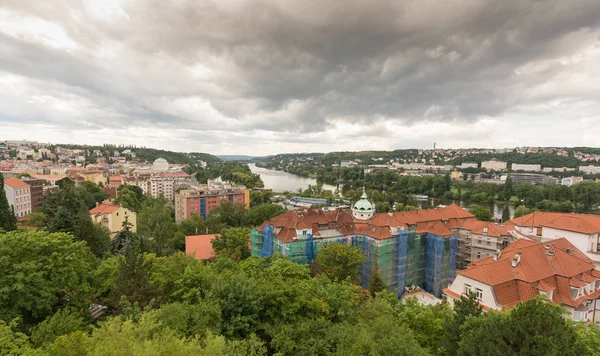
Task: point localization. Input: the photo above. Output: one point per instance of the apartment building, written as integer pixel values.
(494, 165)
(36, 188)
(526, 167)
(532, 178)
(589, 169)
(202, 201)
(166, 183)
(18, 194)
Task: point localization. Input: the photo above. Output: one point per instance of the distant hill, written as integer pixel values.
(240, 158)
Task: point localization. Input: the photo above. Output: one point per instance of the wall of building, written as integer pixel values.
(488, 298)
(583, 242)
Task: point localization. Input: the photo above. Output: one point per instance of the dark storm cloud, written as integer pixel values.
(306, 66)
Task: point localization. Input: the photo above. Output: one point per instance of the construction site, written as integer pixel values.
(409, 250)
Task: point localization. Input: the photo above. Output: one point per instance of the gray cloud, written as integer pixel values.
(305, 71)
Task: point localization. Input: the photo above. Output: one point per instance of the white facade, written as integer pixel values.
(468, 165)
(494, 165)
(590, 169)
(526, 167)
(586, 243)
(19, 198)
(485, 293)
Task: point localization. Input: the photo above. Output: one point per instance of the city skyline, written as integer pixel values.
(267, 77)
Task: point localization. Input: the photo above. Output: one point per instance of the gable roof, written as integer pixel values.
(15, 183)
(104, 208)
(553, 265)
(581, 223)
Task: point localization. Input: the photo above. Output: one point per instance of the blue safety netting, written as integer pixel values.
(267, 248)
(310, 249)
(434, 255)
(452, 259)
(402, 249)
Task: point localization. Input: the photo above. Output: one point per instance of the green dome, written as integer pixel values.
(363, 204)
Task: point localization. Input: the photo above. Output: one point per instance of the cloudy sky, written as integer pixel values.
(269, 76)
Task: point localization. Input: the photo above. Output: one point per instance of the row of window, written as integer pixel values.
(478, 292)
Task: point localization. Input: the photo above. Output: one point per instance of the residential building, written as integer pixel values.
(571, 181)
(465, 165)
(200, 246)
(202, 200)
(456, 175)
(582, 230)
(532, 178)
(112, 216)
(36, 189)
(589, 169)
(494, 165)
(481, 239)
(409, 250)
(96, 177)
(166, 183)
(18, 194)
(526, 167)
(51, 179)
(555, 269)
(115, 181)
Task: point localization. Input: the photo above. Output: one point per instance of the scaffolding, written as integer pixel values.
(407, 260)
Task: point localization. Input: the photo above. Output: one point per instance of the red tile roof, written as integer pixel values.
(582, 223)
(104, 208)
(15, 183)
(542, 266)
(379, 226)
(200, 246)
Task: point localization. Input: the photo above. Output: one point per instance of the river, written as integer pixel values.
(280, 181)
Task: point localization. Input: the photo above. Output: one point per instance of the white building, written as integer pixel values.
(494, 165)
(526, 167)
(525, 269)
(590, 169)
(571, 181)
(468, 165)
(18, 194)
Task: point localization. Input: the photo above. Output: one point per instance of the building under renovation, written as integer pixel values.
(408, 249)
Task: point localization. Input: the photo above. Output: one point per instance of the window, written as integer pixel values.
(485, 230)
(468, 289)
(597, 304)
(478, 255)
(479, 293)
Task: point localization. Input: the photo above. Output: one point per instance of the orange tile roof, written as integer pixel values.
(542, 266)
(15, 183)
(200, 246)
(104, 208)
(582, 223)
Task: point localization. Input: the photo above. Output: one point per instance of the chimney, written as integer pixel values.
(569, 250)
(516, 259)
(497, 255)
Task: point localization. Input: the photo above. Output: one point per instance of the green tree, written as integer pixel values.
(62, 322)
(587, 195)
(12, 343)
(509, 190)
(481, 213)
(376, 283)
(8, 221)
(535, 327)
(133, 280)
(522, 210)
(261, 213)
(128, 198)
(194, 225)
(339, 261)
(96, 236)
(464, 308)
(157, 224)
(41, 271)
(227, 214)
(232, 243)
(505, 214)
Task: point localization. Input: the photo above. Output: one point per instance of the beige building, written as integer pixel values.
(481, 239)
(96, 177)
(112, 216)
(494, 165)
